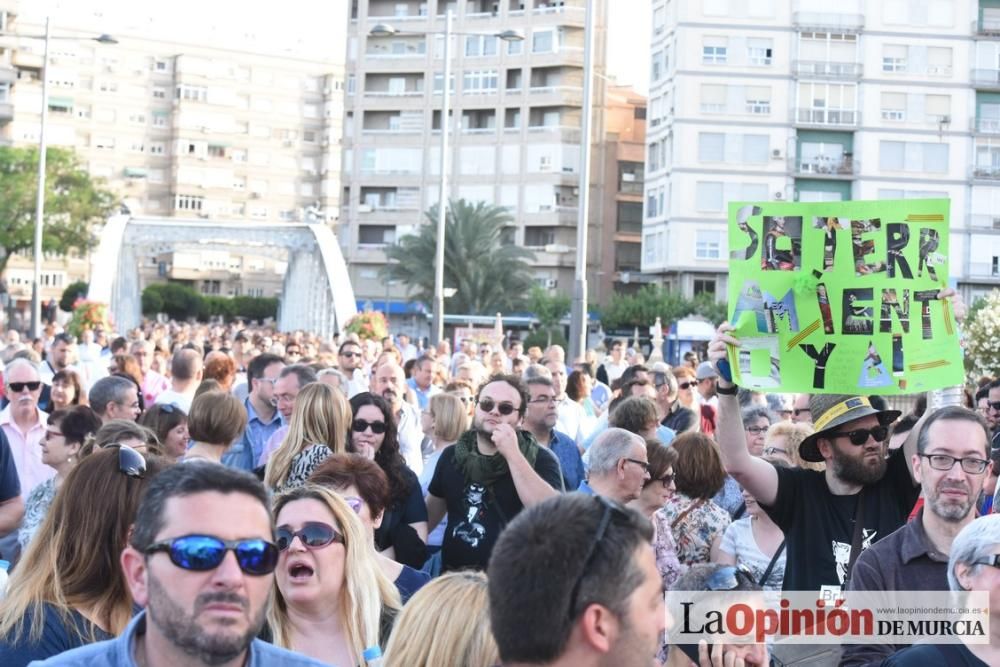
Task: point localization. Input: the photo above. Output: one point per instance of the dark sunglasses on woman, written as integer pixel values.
(313, 535)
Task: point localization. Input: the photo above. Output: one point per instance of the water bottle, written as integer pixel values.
(4, 566)
(940, 398)
(373, 657)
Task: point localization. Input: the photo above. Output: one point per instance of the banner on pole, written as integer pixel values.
(841, 297)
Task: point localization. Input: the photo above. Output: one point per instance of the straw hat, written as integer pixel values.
(832, 410)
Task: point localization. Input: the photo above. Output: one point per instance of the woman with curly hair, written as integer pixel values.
(403, 533)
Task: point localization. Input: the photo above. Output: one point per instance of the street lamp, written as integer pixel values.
(36, 297)
(386, 30)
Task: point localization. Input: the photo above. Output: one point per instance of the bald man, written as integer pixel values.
(390, 384)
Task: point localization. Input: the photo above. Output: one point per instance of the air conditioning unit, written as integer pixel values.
(551, 283)
(779, 195)
(776, 154)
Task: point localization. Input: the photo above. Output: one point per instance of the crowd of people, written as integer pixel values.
(387, 503)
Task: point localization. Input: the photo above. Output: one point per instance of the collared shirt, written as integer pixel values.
(247, 451)
(410, 436)
(27, 454)
(570, 463)
(904, 560)
(120, 652)
(423, 395)
(585, 488)
(571, 418)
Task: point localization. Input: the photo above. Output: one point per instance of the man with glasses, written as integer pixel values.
(23, 422)
(601, 605)
(115, 397)
(351, 361)
(486, 478)
(200, 562)
(829, 517)
(619, 466)
(540, 420)
(800, 409)
(950, 464)
(263, 419)
(290, 382)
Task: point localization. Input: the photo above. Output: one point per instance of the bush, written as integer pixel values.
(541, 339)
(71, 294)
(180, 302)
(152, 302)
(254, 307)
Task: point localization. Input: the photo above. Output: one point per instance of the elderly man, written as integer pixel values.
(153, 384)
(115, 397)
(24, 423)
(390, 384)
(618, 466)
(186, 369)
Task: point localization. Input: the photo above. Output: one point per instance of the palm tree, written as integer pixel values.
(489, 275)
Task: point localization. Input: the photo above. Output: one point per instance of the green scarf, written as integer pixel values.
(486, 470)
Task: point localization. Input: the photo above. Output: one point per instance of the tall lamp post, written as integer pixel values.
(386, 30)
(36, 280)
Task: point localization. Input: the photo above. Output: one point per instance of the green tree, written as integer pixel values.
(714, 311)
(982, 344)
(74, 291)
(488, 275)
(74, 202)
(549, 309)
(642, 308)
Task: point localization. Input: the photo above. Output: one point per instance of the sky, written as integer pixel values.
(300, 28)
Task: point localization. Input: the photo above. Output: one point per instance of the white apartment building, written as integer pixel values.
(193, 129)
(515, 138)
(807, 100)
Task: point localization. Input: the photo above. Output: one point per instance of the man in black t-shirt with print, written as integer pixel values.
(817, 510)
(493, 472)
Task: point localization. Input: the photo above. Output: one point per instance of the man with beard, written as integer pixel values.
(200, 561)
(390, 383)
(950, 464)
(828, 517)
(486, 478)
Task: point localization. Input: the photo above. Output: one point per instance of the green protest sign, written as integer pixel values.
(841, 297)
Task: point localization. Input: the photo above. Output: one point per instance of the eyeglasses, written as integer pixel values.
(756, 430)
(200, 553)
(602, 527)
(771, 451)
(642, 464)
(544, 400)
(130, 462)
(313, 535)
(350, 354)
(685, 385)
(860, 436)
(504, 408)
(666, 480)
(993, 562)
(18, 387)
(728, 578)
(798, 411)
(361, 425)
(354, 503)
(971, 465)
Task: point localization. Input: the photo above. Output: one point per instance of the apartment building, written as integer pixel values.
(192, 130)
(515, 138)
(808, 101)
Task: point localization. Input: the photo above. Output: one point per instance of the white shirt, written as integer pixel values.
(614, 370)
(183, 401)
(410, 436)
(571, 419)
(357, 383)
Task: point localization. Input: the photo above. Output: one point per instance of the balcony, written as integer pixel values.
(987, 270)
(986, 27)
(826, 69)
(549, 214)
(828, 21)
(986, 79)
(985, 125)
(983, 221)
(825, 167)
(986, 173)
(823, 117)
(555, 95)
(567, 133)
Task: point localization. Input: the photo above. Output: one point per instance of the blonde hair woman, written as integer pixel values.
(448, 419)
(781, 443)
(318, 609)
(317, 429)
(427, 634)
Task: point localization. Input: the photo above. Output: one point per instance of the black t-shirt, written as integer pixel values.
(58, 636)
(819, 526)
(10, 486)
(476, 515)
(680, 419)
(411, 509)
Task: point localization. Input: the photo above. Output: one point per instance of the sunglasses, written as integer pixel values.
(18, 387)
(360, 426)
(993, 404)
(685, 385)
(200, 553)
(130, 462)
(666, 480)
(610, 508)
(504, 408)
(860, 436)
(313, 535)
(756, 430)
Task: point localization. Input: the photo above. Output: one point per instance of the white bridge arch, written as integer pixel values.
(316, 296)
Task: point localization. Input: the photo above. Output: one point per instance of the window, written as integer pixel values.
(543, 41)
(628, 256)
(937, 108)
(159, 93)
(894, 58)
(515, 47)
(755, 148)
(759, 51)
(216, 151)
(538, 237)
(713, 98)
(758, 100)
(189, 203)
(137, 118)
(157, 148)
(939, 61)
(481, 45)
(106, 86)
(704, 286)
(657, 59)
(481, 81)
(913, 156)
(894, 106)
(629, 217)
(713, 50)
(104, 143)
(192, 93)
(376, 234)
(711, 146)
(708, 244)
(708, 196)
